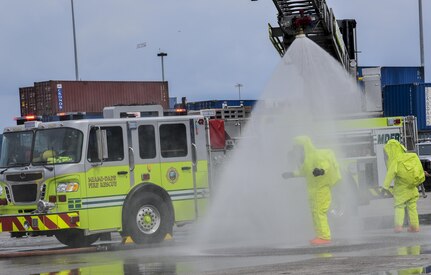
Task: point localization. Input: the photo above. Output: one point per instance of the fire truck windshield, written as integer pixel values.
(57, 146)
(41, 147)
(16, 149)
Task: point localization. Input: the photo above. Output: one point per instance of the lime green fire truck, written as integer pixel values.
(80, 179)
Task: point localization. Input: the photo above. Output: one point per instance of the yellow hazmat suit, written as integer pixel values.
(318, 186)
(405, 194)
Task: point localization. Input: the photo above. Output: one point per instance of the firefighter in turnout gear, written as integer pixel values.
(406, 171)
(321, 171)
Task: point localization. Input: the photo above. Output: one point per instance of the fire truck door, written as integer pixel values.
(177, 171)
(146, 153)
(107, 175)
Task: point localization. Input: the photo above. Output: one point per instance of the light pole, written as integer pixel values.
(239, 90)
(74, 42)
(162, 54)
(421, 34)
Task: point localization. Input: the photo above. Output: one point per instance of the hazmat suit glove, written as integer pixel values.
(318, 172)
(287, 175)
(385, 193)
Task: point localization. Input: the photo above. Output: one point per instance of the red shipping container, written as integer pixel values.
(52, 97)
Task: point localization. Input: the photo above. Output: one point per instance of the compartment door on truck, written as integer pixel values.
(107, 179)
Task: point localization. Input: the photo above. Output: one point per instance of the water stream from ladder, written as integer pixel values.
(251, 204)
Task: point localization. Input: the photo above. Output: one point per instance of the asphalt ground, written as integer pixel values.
(376, 250)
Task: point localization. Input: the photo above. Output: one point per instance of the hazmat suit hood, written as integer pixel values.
(306, 146)
(317, 158)
(306, 143)
(393, 149)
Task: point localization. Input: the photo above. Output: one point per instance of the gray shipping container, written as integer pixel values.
(57, 96)
(374, 79)
(409, 99)
(396, 75)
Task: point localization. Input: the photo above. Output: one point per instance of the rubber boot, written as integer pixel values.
(398, 229)
(319, 241)
(413, 229)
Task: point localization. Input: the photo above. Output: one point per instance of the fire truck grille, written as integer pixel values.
(24, 177)
(24, 192)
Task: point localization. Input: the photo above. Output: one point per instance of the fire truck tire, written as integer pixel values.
(75, 238)
(150, 219)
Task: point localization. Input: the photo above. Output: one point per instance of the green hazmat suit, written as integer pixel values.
(405, 194)
(318, 187)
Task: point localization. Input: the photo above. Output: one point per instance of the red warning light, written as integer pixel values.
(394, 121)
(30, 117)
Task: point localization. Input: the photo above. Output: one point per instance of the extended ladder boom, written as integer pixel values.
(317, 21)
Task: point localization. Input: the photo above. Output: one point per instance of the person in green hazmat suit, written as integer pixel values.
(404, 192)
(321, 171)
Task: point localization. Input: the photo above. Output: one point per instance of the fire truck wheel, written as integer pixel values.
(75, 238)
(150, 219)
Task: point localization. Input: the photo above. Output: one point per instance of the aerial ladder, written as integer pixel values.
(317, 22)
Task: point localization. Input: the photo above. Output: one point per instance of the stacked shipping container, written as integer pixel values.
(218, 104)
(409, 99)
(397, 75)
(374, 79)
(51, 97)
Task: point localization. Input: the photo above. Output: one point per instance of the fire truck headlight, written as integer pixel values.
(44, 206)
(67, 187)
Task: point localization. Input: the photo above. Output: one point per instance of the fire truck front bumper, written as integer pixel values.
(39, 222)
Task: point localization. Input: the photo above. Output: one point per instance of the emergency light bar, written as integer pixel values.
(23, 119)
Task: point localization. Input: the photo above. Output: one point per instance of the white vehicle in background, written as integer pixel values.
(424, 152)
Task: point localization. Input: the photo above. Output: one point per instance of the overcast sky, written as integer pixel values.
(211, 45)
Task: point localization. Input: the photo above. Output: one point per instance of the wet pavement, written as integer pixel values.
(380, 252)
(373, 251)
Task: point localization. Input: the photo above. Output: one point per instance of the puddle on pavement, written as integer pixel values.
(190, 265)
(407, 271)
(121, 268)
(409, 251)
(425, 249)
(414, 250)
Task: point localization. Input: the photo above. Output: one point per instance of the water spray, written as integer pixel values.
(301, 34)
(252, 204)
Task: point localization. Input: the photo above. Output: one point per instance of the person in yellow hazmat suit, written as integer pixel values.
(321, 171)
(406, 173)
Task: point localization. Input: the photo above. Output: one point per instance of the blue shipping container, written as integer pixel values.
(398, 75)
(218, 104)
(409, 99)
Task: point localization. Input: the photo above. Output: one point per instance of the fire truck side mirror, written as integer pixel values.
(102, 145)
